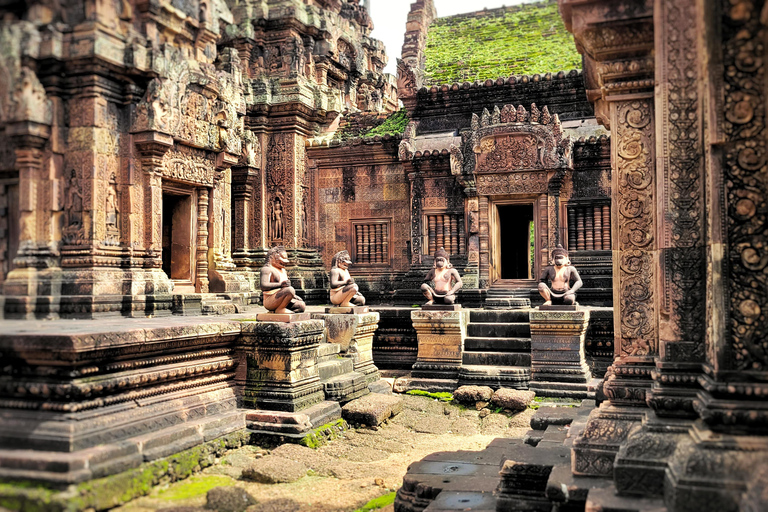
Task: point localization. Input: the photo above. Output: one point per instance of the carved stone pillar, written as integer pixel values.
(722, 452)
(201, 275)
(620, 75)
(152, 146)
(222, 278)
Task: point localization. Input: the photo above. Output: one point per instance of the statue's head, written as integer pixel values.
(560, 256)
(277, 257)
(441, 259)
(341, 260)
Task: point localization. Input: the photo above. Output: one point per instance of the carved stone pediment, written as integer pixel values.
(515, 139)
(189, 165)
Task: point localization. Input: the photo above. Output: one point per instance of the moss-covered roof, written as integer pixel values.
(520, 40)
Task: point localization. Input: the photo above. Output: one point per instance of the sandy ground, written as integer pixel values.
(348, 472)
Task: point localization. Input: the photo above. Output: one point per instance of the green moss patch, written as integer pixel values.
(393, 125)
(194, 486)
(443, 396)
(520, 40)
(111, 491)
(377, 503)
(324, 433)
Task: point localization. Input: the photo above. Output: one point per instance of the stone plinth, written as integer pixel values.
(288, 318)
(558, 366)
(441, 337)
(282, 365)
(90, 399)
(353, 332)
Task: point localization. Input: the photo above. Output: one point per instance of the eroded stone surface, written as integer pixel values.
(473, 394)
(513, 399)
(372, 409)
(274, 469)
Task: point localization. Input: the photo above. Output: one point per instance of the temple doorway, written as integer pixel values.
(514, 242)
(178, 243)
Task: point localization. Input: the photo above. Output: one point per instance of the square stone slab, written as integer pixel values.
(575, 307)
(288, 318)
(347, 310)
(441, 307)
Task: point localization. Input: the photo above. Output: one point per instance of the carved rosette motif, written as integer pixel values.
(635, 222)
(746, 184)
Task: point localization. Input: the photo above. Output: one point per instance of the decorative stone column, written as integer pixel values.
(281, 360)
(440, 336)
(620, 82)
(558, 366)
(201, 275)
(222, 277)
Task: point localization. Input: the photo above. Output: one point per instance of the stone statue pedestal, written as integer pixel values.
(440, 336)
(282, 365)
(441, 307)
(558, 366)
(288, 318)
(353, 332)
(347, 310)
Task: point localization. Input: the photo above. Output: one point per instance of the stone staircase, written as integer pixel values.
(341, 383)
(510, 294)
(217, 304)
(497, 350)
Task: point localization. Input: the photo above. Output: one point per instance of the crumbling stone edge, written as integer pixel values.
(111, 491)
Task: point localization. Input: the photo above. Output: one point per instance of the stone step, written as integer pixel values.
(496, 358)
(477, 315)
(507, 303)
(497, 344)
(327, 352)
(494, 330)
(516, 377)
(218, 307)
(335, 367)
(345, 387)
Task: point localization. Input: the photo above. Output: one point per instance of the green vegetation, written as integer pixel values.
(194, 486)
(109, 492)
(377, 503)
(393, 125)
(520, 40)
(443, 396)
(324, 433)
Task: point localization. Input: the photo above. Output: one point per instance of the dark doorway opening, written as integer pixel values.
(516, 241)
(177, 236)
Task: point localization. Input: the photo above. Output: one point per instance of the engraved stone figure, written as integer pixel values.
(111, 206)
(278, 294)
(344, 291)
(74, 203)
(445, 280)
(560, 275)
(277, 220)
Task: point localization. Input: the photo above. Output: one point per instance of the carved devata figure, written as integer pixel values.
(560, 275)
(344, 291)
(445, 280)
(277, 292)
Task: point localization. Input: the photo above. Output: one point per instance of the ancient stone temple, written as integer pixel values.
(152, 152)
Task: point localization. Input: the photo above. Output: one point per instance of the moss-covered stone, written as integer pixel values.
(519, 40)
(324, 433)
(108, 492)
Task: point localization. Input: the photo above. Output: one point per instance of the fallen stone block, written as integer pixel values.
(513, 399)
(229, 499)
(274, 470)
(372, 410)
(469, 395)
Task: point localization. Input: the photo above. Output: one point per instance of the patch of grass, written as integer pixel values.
(393, 125)
(194, 486)
(498, 410)
(443, 396)
(377, 503)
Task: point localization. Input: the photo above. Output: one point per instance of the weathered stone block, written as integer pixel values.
(372, 409)
(514, 399)
(472, 394)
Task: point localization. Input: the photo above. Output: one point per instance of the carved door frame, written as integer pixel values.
(192, 191)
(494, 230)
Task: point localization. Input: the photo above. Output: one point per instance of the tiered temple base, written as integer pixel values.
(440, 331)
(89, 399)
(558, 366)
